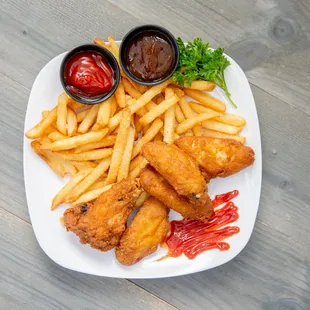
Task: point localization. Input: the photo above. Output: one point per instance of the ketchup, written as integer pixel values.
(88, 74)
(191, 237)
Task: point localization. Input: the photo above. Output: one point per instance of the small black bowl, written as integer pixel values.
(164, 33)
(111, 61)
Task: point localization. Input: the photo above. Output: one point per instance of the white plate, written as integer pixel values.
(64, 248)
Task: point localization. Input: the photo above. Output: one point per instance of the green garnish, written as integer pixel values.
(199, 62)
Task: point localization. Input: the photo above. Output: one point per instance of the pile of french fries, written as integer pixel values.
(99, 145)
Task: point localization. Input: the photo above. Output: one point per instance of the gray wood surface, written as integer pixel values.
(271, 41)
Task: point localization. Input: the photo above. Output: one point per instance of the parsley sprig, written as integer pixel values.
(199, 62)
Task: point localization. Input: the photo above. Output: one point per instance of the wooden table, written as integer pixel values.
(271, 42)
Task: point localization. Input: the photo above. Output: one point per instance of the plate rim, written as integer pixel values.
(258, 161)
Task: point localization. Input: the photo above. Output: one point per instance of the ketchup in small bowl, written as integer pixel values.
(149, 54)
(89, 74)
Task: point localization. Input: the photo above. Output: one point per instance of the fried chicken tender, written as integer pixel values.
(102, 223)
(157, 186)
(179, 169)
(217, 157)
(147, 230)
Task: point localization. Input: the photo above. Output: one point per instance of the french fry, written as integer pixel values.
(55, 136)
(141, 199)
(39, 129)
(83, 164)
(101, 43)
(169, 120)
(191, 122)
(59, 198)
(199, 108)
(126, 158)
(160, 98)
(189, 133)
(224, 128)
(89, 119)
(130, 89)
(159, 137)
(179, 114)
(119, 146)
(189, 113)
(135, 162)
(116, 119)
(45, 113)
(73, 142)
(120, 95)
(169, 125)
(178, 92)
(68, 166)
(93, 194)
(104, 112)
(81, 115)
(159, 110)
(90, 155)
(45, 140)
(96, 127)
(231, 119)
(62, 113)
(138, 125)
(141, 88)
(134, 93)
(148, 96)
(55, 165)
(113, 45)
(169, 92)
(202, 85)
(127, 97)
(105, 142)
(92, 177)
(206, 99)
(71, 122)
(220, 135)
(98, 184)
(74, 104)
(149, 135)
(49, 130)
(113, 106)
(146, 128)
(137, 170)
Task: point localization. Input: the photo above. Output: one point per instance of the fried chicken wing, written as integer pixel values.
(179, 169)
(217, 157)
(102, 223)
(157, 186)
(147, 230)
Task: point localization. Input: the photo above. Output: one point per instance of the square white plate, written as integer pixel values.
(42, 184)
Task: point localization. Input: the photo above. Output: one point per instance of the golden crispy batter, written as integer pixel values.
(158, 187)
(179, 169)
(147, 230)
(217, 157)
(102, 223)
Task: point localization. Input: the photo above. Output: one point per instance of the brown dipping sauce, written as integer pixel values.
(150, 56)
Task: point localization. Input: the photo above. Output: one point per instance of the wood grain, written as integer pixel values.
(270, 40)
(29, 280)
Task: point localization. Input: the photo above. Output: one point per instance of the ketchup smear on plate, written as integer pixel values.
(191, 237)
(88, 74)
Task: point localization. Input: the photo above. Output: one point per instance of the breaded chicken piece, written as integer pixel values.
(147, 230)
(102, 223)
(179, 169)
(217, 157)
(157, 186)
